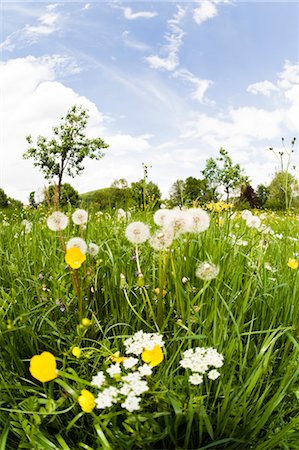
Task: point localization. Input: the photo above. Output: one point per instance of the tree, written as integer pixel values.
(262, 194)
(68, 195)
(223, 173)
(65, 153)
(121, 183)
(152, 194)
(177, 193)
(3, 199)
(248, 197)
(282, 189)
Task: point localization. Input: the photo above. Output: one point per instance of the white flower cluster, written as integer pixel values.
(126, 388)
(141, 341)
(199, 360)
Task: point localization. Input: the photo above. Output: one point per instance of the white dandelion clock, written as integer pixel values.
(161, 240)
(253, 222)
(137, 232)
(160, 215)
(200, 220)
(80, 217)
(207, 271)
(57, 221)
(78, 243)
(93, 249)
(178, 222)
(246, 214)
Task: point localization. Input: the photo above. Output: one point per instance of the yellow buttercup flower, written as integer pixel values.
(153, 357)
(117, 359)
(293, 263)
(86, 322)
(76, 351)
(86, 401)
(74, 257)
(157, 291)
(43, 367)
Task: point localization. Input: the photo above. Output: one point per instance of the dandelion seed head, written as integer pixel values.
(57, 221)
(137, 232)
(80, 217)
(207, 271)
(77, 242)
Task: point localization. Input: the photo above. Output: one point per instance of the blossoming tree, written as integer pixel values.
(66, 151)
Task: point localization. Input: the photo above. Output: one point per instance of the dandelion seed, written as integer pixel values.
(93, 249)
(57, 221)
(137, 232)
(77, 242)
(160, 215)
(200, 220)
(161, 240)
(207, 271)
(80, 217)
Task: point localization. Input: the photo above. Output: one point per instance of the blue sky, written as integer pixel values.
(166, 83)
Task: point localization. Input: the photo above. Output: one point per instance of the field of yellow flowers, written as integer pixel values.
(177, 329)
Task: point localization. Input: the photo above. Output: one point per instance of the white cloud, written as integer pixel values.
(200, 85)
(206, 10)
(262, 87)
(132, 43)
(174, 40)
(130, 15)
(33, 101)
(47, 24)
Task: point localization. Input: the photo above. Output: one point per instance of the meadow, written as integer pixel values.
(181, 332)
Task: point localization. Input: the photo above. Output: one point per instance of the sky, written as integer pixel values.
(166, 84)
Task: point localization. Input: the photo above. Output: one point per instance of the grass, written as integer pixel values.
(249, 313)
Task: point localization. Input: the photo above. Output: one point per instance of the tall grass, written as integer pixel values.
(249, 313)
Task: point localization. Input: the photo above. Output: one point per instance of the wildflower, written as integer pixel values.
(27, 225)
(77, 243)
(76, 351)
(160, 215)
(207, 271)
(196, 379)
(86, 401)
(293, 263)
(131, 403)
(213, 374)
(253, 222)
(185, 280)
(57, 221)
(121, 214)
(145, 370)
(161, 240)
(130, 362)
(86, 322)
(141, 341)
(93, 249)
(114, 369)
(80, 217)
(74, 257)
(200, 359)
(137, 232)
(107, 397)
(43, 367)
(99, 379)
(157, 292)
(246, 214)
(153, 357)
(200, 220)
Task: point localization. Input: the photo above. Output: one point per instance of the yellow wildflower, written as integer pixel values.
(76, 351)
(74, 257)
(153, 357)
(157, 291)
(43, 367)
(117, 359)
(293, 263)
(85, 322)
(86, 401)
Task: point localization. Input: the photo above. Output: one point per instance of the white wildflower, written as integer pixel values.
(98, 380)
(213, 374)
(137, 232)
(145, 370)
(80, 217)
(93, 249)
(253, 222)
(78, 243)
(196, 379)
(114, 369)
(161, 240)
(207, 271)
(200, 220)
(131, 403)
(130, 362)
(141, 341)
(27, 225)
(246, 214)
(57, 221)
(201, 359)
(107, 397)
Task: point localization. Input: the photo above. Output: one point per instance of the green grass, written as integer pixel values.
(248, 313)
